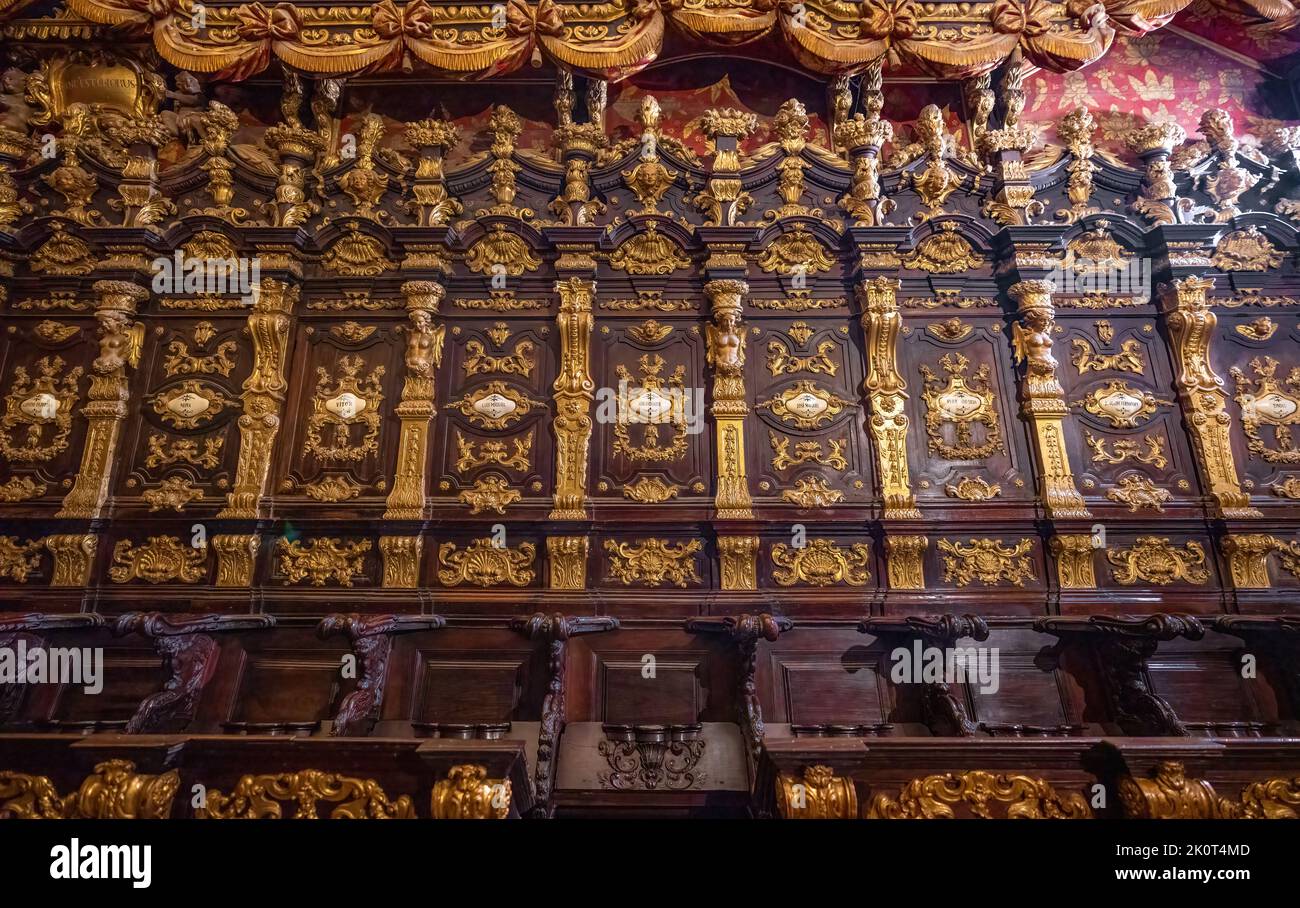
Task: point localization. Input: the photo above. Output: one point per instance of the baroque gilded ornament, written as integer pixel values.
(812, 492)
(322, 559)
(1268, 403)
(340, 404)
(1153, 559)
(988, 561)
(654, 562)
(649, 252)
(962, 402)
(655, 402)
(805, 405)
(495, 405)
(486, 564)
(1139, 492)
(944, 252)
(821, 563)
(796, 252)
(34, 404)
(1120, 404)
(162, 559)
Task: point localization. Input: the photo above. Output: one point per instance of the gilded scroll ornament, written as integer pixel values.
(19, 560)
(322, 559)
(988, 561)
(1025, 797)
(1288, 489)
(738, 558)
(1127, 359)
(341, 403)
(488, 453)
(1121, 404)
(236, 558)
(181, 361)
(818, 795)
(649, 252)
(812, 493)
(973, 488)
(1248, 559)
(650, 490)
(1191, 324)
(62, 254)
(796, 252)
(486, 564)
(573, 395)
(807, 452)
(30, 797)
(1151, 450)
(821, 563)
(962, 402)
(1153, 559)
(805, 405)
(1168, 794)
(781, 361)
(175, 492)
(1139, 492)
(479, 362)
(468, 794)
(33, 404)
(654, 402)
(1266, 402)
(164, 452)
(567, 559)
(495, 405)
(262, 797)
(162, 559)
(653, 562)
(491, 493)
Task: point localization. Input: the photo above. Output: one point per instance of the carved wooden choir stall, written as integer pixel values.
(542, 457)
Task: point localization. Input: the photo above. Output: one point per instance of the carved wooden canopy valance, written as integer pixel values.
(233, 40)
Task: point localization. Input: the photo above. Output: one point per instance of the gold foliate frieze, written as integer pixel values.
(567, 560)
(478, 361)
(486, 564)
(263, 797)
(468, 794)
(987, 560)
(653, 562)
(821, 562)
(1155, 560)
(161, 559)
(19, 560)
(322, 559)
(489, 453)
(1121, 404)
(650, 490)
(1025, 797)
(812, 492)
(491, 493)
(1139, 492)
(808, 451)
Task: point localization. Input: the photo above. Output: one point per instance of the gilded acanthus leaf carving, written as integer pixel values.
(161, 559)
(322, 559)
(19, 560)
(654, 562)
(478, 361)
(1127, 359)
(1139, 492)
(988, 561)
(962, 403)
(493, 452)
(1269, 403)
(1151, 451)
(495, 405)
(491, 493)
(781, 361)
(812, 492)
(808, 451)
(1154, 559)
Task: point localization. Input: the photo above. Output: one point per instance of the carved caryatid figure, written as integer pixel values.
(726, 344)
(423, 344)
(1032, 339)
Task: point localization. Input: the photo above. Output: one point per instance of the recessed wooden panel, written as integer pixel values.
(671, 696)
(1204, 686)
(288, 686)
(130, 675)
(467, 690)
(832, 691)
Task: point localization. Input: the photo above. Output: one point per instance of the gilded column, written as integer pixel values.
(120, 339)
(726, 354)
(263, 398)
(416, 410)
(1044, 398)
(1200, 391)
(574, 395)
(887, 393)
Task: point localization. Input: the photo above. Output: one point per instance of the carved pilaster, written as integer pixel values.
(401, 561)
(1074, 563)
(236, 558)
(268, 326)
(73, 557)
(819, 795)
(739, 558)
(726, 354)
(574, 394)
(887, 394)
(1248, 559)
(567, 557)
(424, 339)
(1200, 391)
(1044, 398)
(120, 339)
(905, 561)
(430, 201)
